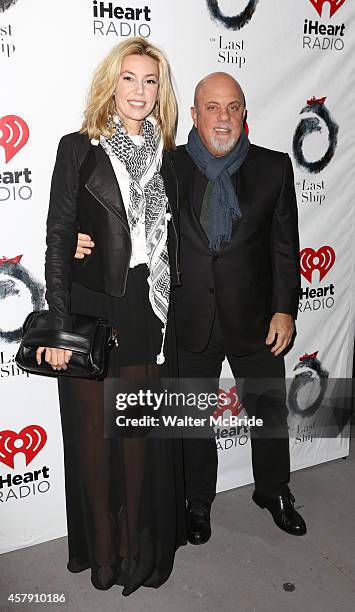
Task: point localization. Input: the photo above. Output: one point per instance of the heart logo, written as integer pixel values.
(14, 134)
(334, 6)
(322, 260)
(230, 402)
(29, 441)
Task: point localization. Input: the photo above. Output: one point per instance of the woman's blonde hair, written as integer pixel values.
(100, 102)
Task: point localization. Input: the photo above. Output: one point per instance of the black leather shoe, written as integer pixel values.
(283, 512)
(198, 522)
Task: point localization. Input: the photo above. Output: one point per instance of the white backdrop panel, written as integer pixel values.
(47, 55)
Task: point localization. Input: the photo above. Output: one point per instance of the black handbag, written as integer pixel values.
(90, 342)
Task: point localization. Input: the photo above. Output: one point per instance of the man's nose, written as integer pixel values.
(223, 114)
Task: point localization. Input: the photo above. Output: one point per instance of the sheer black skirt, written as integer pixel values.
(124, 495)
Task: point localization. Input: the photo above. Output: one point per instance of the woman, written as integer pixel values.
(125, 496)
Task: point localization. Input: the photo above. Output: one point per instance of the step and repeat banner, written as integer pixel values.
(293, 59)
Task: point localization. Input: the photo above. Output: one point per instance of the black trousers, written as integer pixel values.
(260, 380)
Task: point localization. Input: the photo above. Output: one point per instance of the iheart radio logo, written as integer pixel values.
(29, 441)
(334, 5)
(228, 400)
(14, 134)
(321, 260)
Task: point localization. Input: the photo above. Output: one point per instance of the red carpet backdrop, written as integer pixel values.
(294, 60)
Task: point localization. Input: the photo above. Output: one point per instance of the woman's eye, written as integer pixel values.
(127, 78)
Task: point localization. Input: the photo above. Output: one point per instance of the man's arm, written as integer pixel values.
(284, 246)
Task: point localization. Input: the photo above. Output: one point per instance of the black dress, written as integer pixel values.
(124, 495)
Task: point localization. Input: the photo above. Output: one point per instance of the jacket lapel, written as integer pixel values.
(103, 185)
(167, 171)
(246, 180)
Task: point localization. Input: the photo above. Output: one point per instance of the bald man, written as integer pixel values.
(239, 263)
(239, 290)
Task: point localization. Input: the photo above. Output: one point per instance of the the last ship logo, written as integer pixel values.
(20, 293)
(305, 397)
(320, 406)
(6, 4)
(307, 370)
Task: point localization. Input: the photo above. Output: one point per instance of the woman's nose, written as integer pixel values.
(139, 87)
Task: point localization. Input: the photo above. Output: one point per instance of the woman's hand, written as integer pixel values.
(84, 246)
(57, 358)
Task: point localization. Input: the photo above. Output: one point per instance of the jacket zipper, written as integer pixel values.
(172, 220)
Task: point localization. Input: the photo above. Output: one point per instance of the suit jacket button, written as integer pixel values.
(211, 290)
(215, 257)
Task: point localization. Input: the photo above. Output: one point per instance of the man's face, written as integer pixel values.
(219, 113)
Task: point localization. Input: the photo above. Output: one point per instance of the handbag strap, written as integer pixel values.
(57, 339)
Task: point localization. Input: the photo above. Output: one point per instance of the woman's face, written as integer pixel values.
(136, 90)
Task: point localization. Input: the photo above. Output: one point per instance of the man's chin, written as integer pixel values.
(223, 147)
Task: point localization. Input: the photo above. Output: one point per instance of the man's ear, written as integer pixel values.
(194, 115)
(245, 117)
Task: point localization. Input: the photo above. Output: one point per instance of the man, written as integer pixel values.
(239, 263)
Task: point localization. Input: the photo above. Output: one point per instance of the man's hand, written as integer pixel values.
(281, 328)
(84, 246)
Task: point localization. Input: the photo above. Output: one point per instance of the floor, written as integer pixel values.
(248, 565)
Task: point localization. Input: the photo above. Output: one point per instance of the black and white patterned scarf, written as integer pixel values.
(147, 200)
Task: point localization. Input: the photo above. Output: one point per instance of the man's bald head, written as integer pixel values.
(219, 112)
(213, 80)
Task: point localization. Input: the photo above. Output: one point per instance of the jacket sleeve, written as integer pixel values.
(284, 246)
(62, 233)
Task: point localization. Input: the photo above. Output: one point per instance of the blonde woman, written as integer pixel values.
(125, 496)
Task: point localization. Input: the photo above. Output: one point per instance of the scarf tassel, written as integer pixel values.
(161, 357)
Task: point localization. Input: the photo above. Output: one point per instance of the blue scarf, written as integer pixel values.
(224, 206)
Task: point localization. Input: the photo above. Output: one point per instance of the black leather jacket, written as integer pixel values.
(85, 196)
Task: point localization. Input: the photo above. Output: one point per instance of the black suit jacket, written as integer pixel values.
(252, 277)
(86, 197)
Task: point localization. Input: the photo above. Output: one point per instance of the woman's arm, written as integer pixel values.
(61, 244)
(62, 233)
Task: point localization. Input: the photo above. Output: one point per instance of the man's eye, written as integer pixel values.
(234, 107)
(211, 108)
